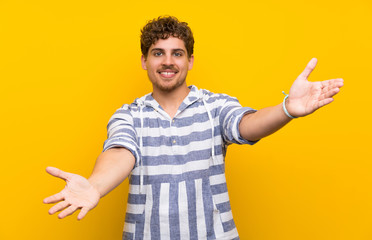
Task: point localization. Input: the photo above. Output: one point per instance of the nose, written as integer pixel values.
(168, 60)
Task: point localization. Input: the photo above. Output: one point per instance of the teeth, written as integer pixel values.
(167, 73)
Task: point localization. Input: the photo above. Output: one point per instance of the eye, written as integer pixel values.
(157, 54)
(178, 54)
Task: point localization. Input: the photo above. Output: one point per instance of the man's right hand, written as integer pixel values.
(77, 194)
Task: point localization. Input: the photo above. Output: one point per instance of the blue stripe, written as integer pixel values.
(123, 143)
(208, 208)
(120, 141)
(181, 159)
(191, 201)
(127, 236)
(174, 218)
(221, 97)
(136, 198)
(180, 141)
(224, 207)
(151, 123)
(155, 220)
(241, 140)
(140, 226)
(126, 130)
(201, 104)
(219, 188)
(227, 123)
(229, 225)
(179, 121)
(192, 97)
(132, 218)
(114, 119)
(168, 178)
(223, 113)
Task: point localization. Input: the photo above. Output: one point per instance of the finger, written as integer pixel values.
(58, 173)
(332, 83)
(68, 211)
(309, 68)
(325, 102)
(82, 213)
(54, 198)
(58, 207)
(330, 93)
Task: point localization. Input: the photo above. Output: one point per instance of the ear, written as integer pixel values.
(143, 62)
(191, 61)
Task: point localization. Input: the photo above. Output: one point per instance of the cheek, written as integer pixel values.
(182, 64)
(153, 65)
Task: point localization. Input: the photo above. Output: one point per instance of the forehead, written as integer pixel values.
(169, 43)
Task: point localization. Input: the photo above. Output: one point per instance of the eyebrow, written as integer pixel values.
(173, 50)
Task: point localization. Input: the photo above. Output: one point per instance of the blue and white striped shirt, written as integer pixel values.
(178, 187)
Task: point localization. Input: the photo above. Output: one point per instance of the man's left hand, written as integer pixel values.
(305, 97)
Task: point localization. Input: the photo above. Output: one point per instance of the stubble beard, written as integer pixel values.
(157, 83)
(168, 88)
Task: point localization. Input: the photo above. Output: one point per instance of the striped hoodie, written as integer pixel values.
(177, 187)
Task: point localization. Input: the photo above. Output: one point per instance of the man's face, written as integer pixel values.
(167, 64)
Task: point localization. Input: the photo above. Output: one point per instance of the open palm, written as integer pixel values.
(305, 97)
(77, 194)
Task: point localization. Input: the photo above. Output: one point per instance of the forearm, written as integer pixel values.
(112, 167)
(262, 123)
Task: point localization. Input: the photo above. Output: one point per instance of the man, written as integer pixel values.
(172, 143)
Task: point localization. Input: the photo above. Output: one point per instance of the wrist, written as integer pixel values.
(284, 106)
(96, 186)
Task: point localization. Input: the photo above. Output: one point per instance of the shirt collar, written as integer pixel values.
(192, 97)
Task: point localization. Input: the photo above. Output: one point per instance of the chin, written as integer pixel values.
(167, 87)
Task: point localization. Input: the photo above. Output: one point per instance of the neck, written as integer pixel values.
(171, 100)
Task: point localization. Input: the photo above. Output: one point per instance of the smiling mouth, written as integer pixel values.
(167, 74)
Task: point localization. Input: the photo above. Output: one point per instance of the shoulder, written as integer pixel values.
(135, 105)
(212, 97)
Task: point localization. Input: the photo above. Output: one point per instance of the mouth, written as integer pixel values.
(167, 74)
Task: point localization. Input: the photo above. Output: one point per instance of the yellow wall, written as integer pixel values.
(66, 66)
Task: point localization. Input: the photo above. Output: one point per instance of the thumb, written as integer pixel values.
(58, 173)
(308, 69)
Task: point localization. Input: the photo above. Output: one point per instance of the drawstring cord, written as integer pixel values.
(212, 127)
(141, 106)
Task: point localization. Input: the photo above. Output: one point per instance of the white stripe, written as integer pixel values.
(181, 131)
(134, 189)
(148, 211)
(122, 135)
(183, 211)
(229, 235)
(200, 217)
(164, 211)
(118, 125)
(177, 169)
(122, 115)
(135, 208)
(120, 143)
(121, 122)
(226, 216)
(129, 227)
(221, 198)
(217, 224)
(155, 151)
(235, 131)
(234, 106)
(217, 179)
(192, 111)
